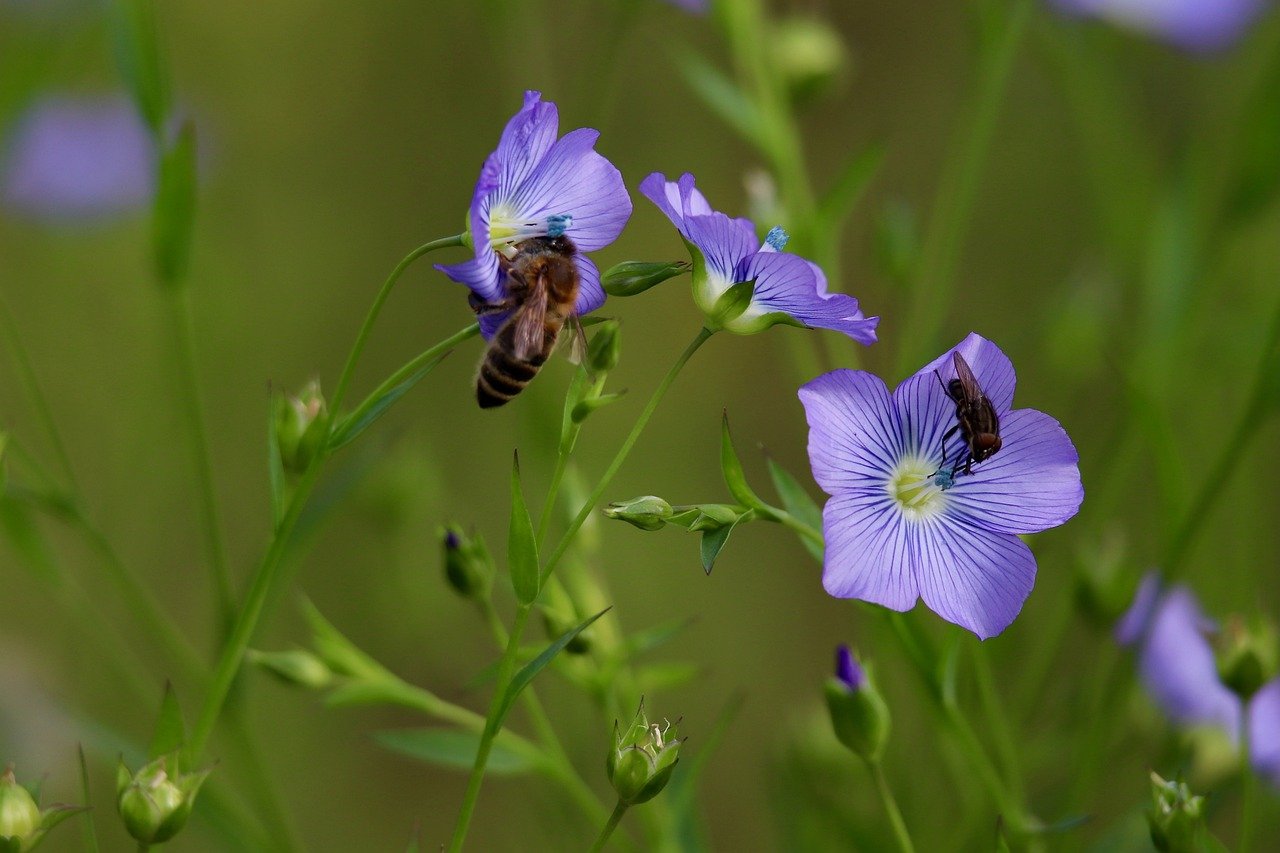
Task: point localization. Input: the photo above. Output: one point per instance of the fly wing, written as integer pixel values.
(530, 320)
(968, 382)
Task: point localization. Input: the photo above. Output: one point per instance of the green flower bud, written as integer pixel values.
(19, 812)
(1176, 818)
(647, 513)
(1247, 655)
(630, 278)
(606, 347)
(300, 427)
(296, 667)
(154, 805)
(642, 759)
(1104, 586)
(810, 56)
(859, 714)
(468, 565)
(708, 516)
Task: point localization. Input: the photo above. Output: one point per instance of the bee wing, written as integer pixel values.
(530, 320)
(968, 382)
(578, 341)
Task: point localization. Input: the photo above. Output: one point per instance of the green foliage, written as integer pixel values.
(139, 56)
(529, 671)
(522, 543)
(452, 749)
(173, 217)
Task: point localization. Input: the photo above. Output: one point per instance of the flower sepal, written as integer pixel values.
(649, 512)
(1176, 817)
(730, 306)
(468, 565)
(643, 757)
(300, 423)
(1247, 655)
(23, 824)
(859, 715)
(156, 801)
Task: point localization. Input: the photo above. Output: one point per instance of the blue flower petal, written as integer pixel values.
(976, 578)
(590, 293)
(854, 435)
(869, 550)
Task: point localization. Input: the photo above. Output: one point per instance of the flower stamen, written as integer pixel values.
(917, 488)
(506, 232)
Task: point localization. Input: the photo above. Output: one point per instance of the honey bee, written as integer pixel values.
(542, 290)
(976, 419)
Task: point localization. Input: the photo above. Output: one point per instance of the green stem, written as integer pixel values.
(900, 833)
(998, 721)
(623, 451)
(506, 669)
(618, 811)
(267, 572)
(957, 188)
(179, 304)
(1249, 785)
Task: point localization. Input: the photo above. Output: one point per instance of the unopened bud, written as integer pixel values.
(642, 759)
(708, 516)
(468, 565)
(296, 667)
(1176, 817)
(300, 427)
(19, 812)
(1247, 653)
(647, 513)
(630, 278)
(155, 805)
(606, 347)
(1104, 584)
(859, 715)
(810, 56)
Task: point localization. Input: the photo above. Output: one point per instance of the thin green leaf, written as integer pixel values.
(651, 638)
(275, 466)
(850, 184)
(376, 405)
(535, 666)
(714, 540)
(174, 213)
(170, 734)
(734, 477)
(723, 96)
(797, 502)
(522, 543)
(452, 748)
(90, 832)
(138, 55)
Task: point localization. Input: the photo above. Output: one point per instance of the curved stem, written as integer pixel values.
(618, 811)
(1248, 783)
(900, 833)
(179, 304)
(267, 572)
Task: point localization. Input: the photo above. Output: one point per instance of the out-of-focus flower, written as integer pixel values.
(1202, 25)
(468, 566)
(77, 157)
(899, 527)
(300, 426)
(1176, 817)
(695, 7)
(1176, 664)
(23, 823)
(743, 285)
(535, 186)
(859, 715)
(154, 803)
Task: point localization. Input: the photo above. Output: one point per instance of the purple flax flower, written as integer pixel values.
(848, 670)
(1200, 25)
(899, 527)
(1176, 665)
(788, 289)
(77, 157)
(534, 185)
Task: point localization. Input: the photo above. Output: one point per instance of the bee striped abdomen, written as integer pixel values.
(502, 376)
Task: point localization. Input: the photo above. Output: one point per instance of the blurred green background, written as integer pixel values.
(337, 136)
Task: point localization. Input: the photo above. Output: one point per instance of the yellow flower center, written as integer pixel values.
(913, 486)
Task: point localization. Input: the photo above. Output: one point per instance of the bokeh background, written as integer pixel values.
(337, 136)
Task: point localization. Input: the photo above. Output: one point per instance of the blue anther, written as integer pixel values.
(777, 238)
(558, 224)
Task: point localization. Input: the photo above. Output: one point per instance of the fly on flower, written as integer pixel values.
(976, 419)
(539, 205)
(899, 527)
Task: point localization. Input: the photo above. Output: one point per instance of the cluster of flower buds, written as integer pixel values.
(643, 758)
(154, 803)
(859, 714)
(468, 565)
(1247, 652)
(1176, 817)
(23, 823)
(300, 423)
(653, 513)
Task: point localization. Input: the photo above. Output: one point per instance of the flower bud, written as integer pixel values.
(708, 516)
(300, 427)
(647, 513)
(467, 563)
(606, 347)
(859, 714)
(297, 667)
(1176, 818)
(19, 813)
(1247, 655)
(810, 57)
(154, 805)
(1104, 585)
(642, 759)
(630, 278)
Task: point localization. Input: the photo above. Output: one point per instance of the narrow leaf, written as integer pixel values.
(275, 465)
(522, 544)
(723, 96)
(138, 55)
(535, 666)
(90, 832)
(713, 541)
(340, 654)
(376, 405)
(797, 503)
(734, 477)
(173, 217)
(452, 748)
(651, 638)
(170, 734)
(850, 184)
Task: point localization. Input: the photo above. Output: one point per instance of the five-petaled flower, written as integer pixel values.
(1200, 25)
(532, 186)
(726, 252)
(898, 527)
(1176, 664)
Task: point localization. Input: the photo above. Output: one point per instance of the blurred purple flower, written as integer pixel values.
(77, 157)
(534, 185)
(696, 7)
(898, 527)
(1176, 664)
(1202, 25)
(788, 289)
(848, 670)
